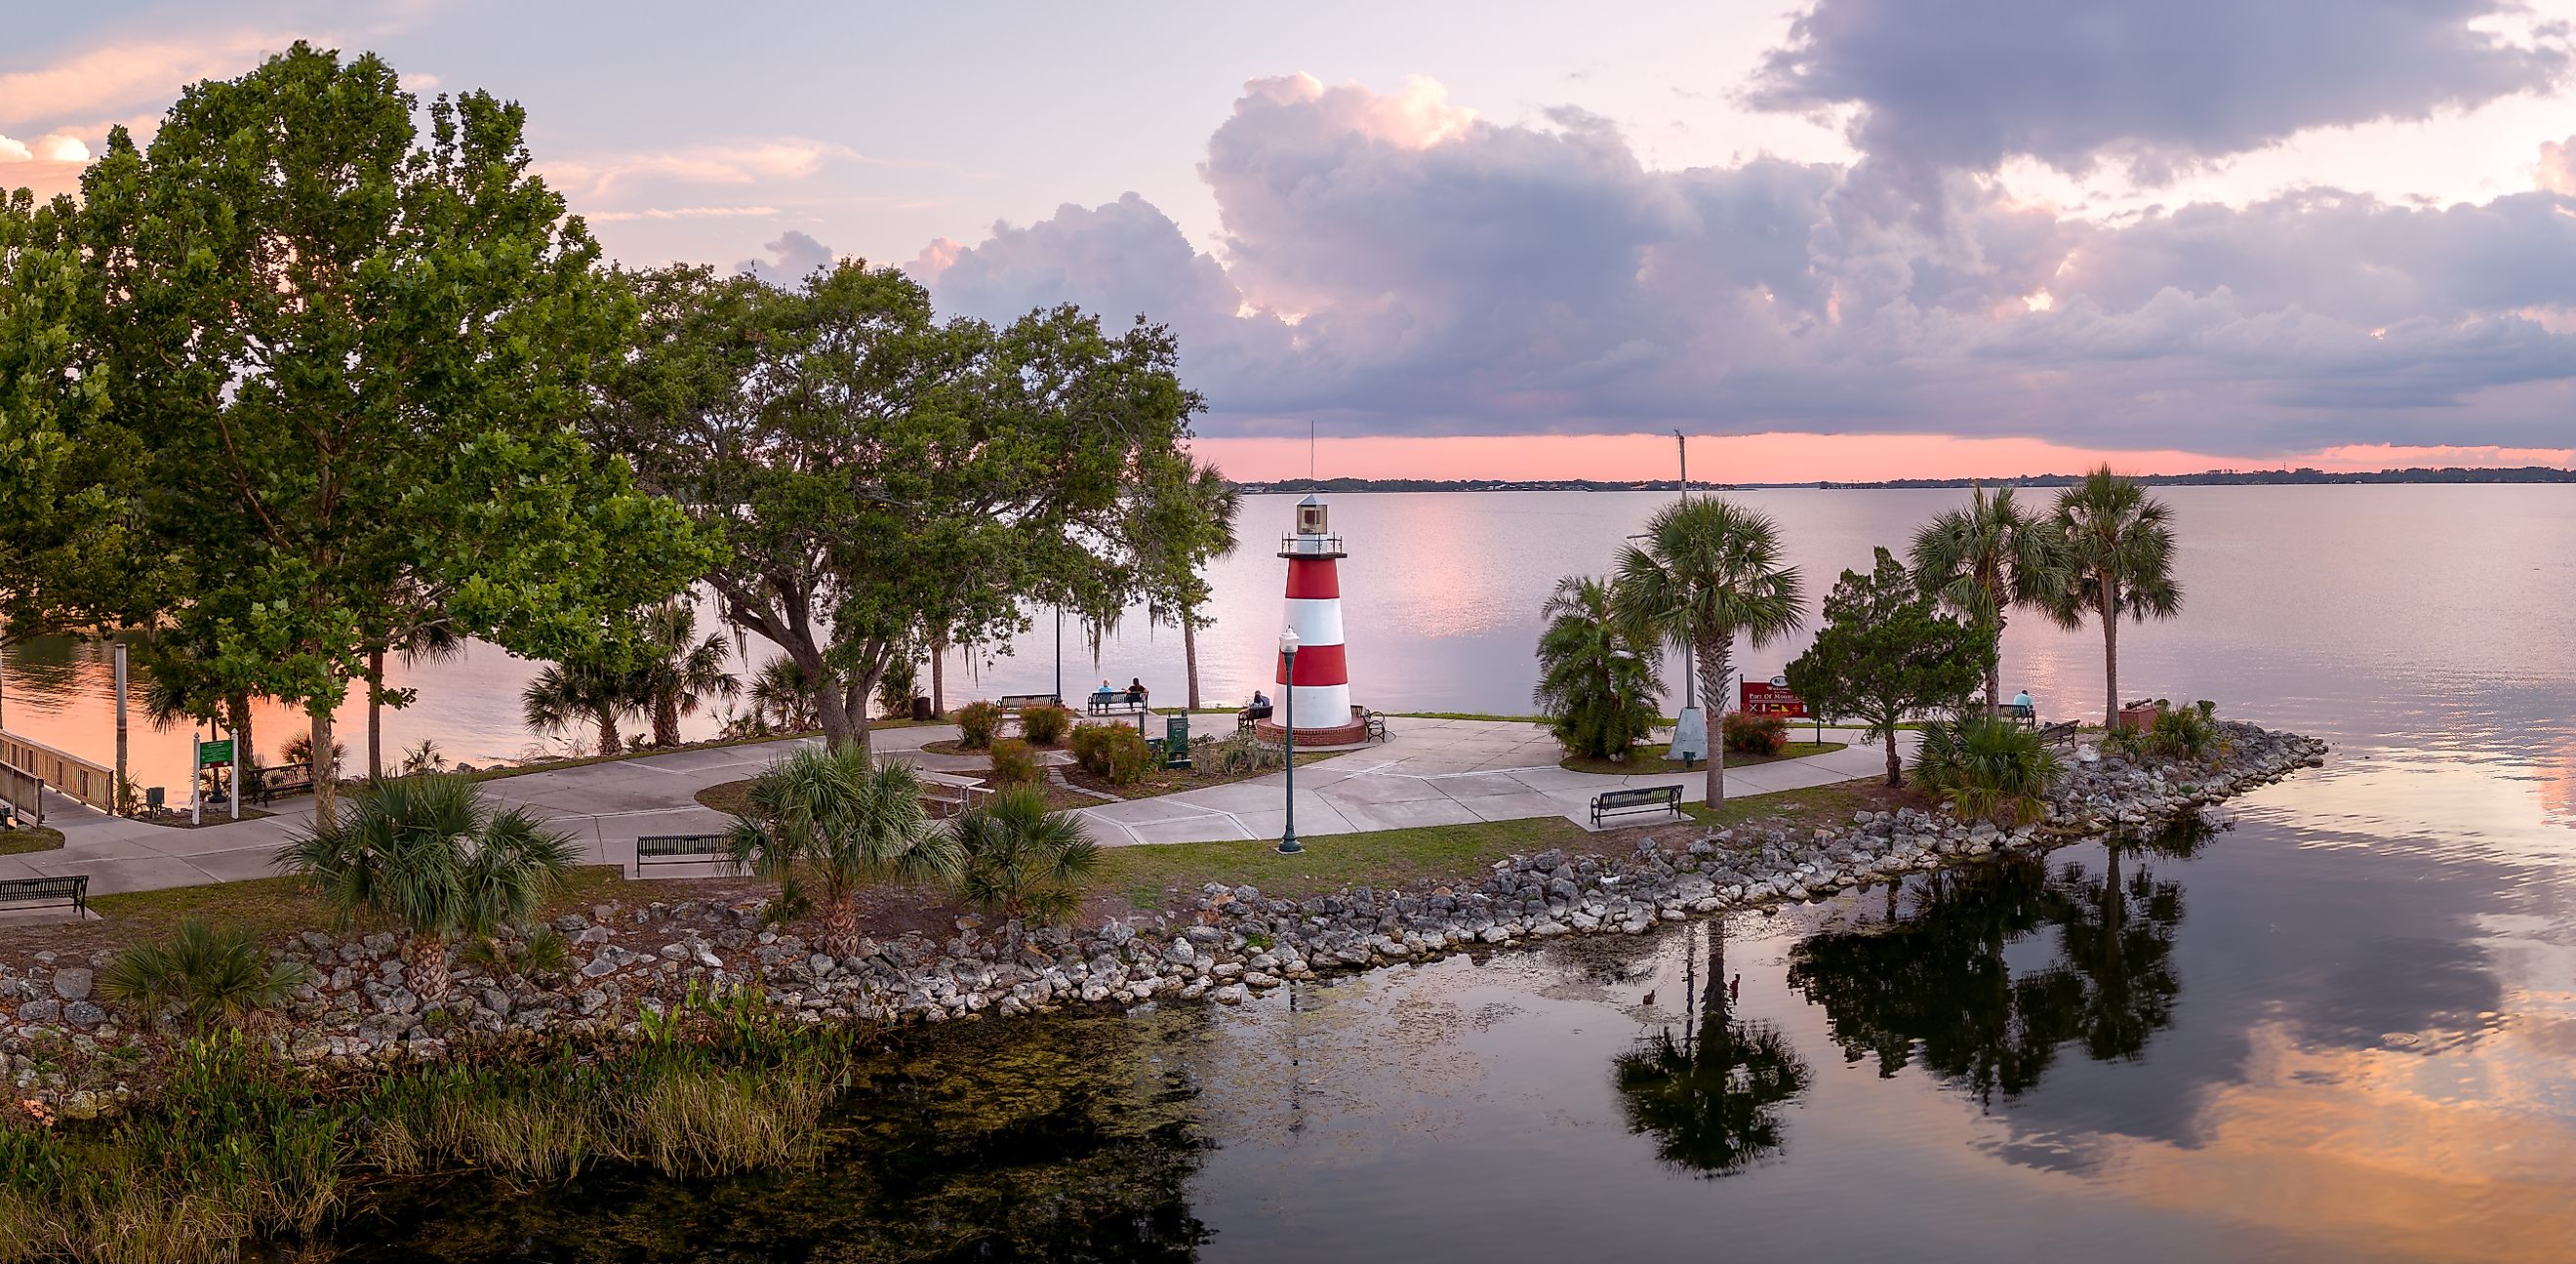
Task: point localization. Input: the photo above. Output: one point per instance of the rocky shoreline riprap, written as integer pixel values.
(1234, 943)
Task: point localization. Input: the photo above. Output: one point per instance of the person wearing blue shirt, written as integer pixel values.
(2022, 699)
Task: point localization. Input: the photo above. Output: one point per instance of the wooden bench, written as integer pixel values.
(2062, 731)
(1015, 703)
(2018, 714)
(679, 849)
(1636, 799)
(71, 893)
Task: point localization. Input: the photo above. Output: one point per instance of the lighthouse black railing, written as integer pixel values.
(1319, 545)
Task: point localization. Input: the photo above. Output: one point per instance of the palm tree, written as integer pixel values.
(681, 672)
(429, 643)
(564, 695)
(1983, 560)
(1020, 860)
(1597, 677)
(1707, 573)
(2119, 553)
(214, 974)
(430, 853)
(782, 694)
(835, 820)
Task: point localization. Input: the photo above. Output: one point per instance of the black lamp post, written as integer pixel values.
(1288, 845)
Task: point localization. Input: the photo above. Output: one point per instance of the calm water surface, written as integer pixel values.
(2345, 1029)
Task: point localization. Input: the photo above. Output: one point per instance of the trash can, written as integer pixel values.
(1176, 741)
(921, 708)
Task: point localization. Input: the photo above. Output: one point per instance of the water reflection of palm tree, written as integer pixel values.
(1937, 988)
(1712, 1097)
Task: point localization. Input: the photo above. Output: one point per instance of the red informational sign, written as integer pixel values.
(1761, 697)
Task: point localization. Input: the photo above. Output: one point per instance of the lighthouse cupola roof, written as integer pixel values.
(1313, 536)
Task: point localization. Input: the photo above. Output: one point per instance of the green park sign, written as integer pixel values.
(219, 752)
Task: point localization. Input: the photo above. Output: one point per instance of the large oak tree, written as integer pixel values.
(351, 358)
(877, 470)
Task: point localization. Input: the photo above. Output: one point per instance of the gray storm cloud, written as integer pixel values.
(1387, 258)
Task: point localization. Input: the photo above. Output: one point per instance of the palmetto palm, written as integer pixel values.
(1983, 560)
(783, 695)
(681, 671)
(833, 820)
(1597, 678)
(214, 974)
(1020, 860)
(430, 853)
(567, 695)
(2120, 555)
(1707, 572)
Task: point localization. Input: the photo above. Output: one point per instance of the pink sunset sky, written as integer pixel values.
(1831, 239)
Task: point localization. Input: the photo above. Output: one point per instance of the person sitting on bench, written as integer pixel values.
(1259, 709)
(2022, 700)
(1136, 690)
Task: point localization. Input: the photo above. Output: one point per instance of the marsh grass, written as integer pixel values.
(238, 1145)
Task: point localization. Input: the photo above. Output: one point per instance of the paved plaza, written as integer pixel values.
(1428, 772)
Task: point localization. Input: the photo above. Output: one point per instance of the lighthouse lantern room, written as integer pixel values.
(1320, 696)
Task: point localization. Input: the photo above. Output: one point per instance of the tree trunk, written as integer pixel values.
(326, 791)
(609, 744)
(860, 690)
(375, 714)
(1895, 770)
(428, 973)
(2110, 657)
(1190, 651)
(666, 720)
(841, 926)
(1994, 688)
(939, 678)
(1716, 666)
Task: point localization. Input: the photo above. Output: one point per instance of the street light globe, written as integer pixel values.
(1288, 640)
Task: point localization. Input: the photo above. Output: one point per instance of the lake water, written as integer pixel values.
(2345, 1029)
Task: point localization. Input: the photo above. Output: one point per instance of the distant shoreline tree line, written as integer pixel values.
(2302, 476)
(1903, 640)
(303, 385)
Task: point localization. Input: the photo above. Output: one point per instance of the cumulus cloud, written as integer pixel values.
(2557, 172)
(1396, 261)
(2157, 86)
(791, 258)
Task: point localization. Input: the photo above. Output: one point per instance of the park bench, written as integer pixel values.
(2018, 714)
(71, 893)
(1015, 703)
(2062, 731)
(1116, 704)
(1374, 724)
(1636, 799)
(679, 849)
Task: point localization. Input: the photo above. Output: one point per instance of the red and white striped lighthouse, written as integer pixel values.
(1321, 693)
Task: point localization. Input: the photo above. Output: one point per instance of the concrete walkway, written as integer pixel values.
(1429, 772)
(1445, 772)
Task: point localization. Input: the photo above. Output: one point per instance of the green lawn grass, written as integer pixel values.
(27, 838)
(1151, 877)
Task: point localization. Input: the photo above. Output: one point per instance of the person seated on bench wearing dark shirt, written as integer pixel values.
(1136, 690)
(1259, 708)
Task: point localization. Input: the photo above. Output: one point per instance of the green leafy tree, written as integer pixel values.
(1708, 572)
(830, 820)
(1598, 682)
(214, 975)
(1885, 653)
(1182, 532)
(350, 356)
(1020, 861)
(430, 854)
(884, 477)
(2120, 556)
(1985, 559)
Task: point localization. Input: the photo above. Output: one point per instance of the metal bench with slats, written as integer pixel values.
(679, 849)
(68, 892)
(1636, 799)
